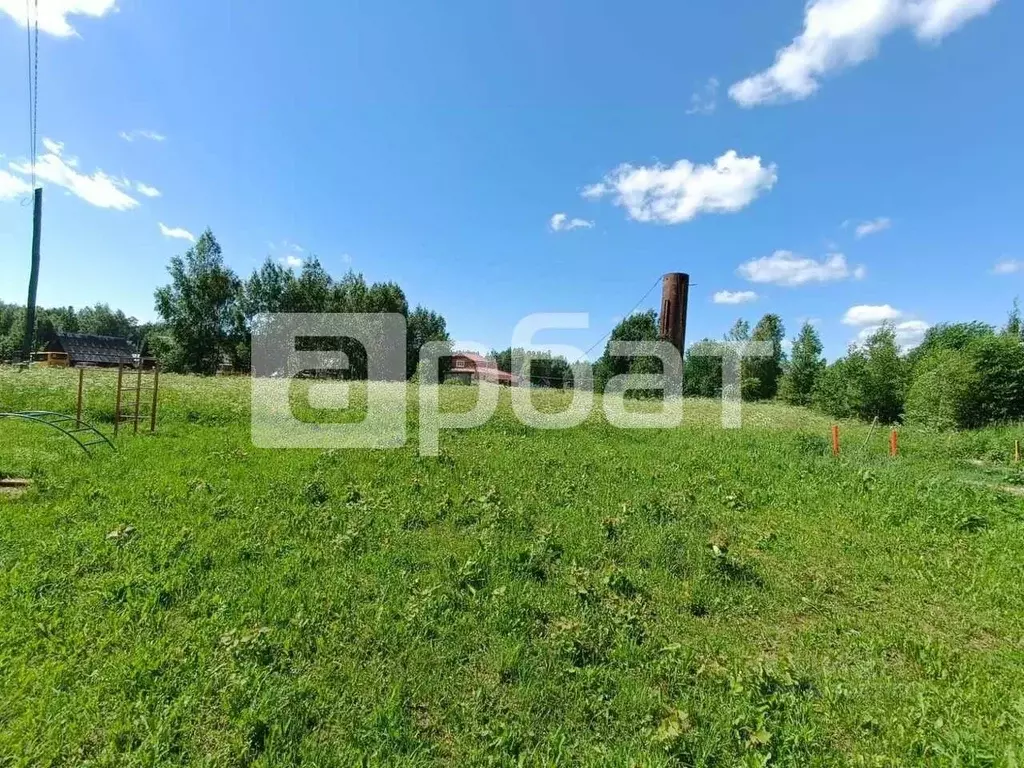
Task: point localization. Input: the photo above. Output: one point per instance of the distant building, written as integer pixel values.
(88, 349)
(468, 367)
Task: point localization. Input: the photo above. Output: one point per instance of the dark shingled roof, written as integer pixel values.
(90, 349)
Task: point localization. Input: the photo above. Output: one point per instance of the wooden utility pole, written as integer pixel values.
(33, 278)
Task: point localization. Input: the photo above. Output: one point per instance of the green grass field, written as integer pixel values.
(593, 596)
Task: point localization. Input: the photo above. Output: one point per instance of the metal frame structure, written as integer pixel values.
(56, 420)
(134, 414)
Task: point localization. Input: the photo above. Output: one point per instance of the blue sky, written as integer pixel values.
(847, 161)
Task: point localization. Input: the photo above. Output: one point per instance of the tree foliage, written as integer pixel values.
(949, 336)
(201, 307)
(761, 374)
(638, 327)
(545, 369)
(423, 326)
(805, 367)
(703, 371)
(869, 383)
(945, 391)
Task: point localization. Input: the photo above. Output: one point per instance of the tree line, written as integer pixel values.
(961, 376)
(207, 313)
(98, 319)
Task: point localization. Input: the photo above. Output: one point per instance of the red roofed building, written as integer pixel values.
(469, 367)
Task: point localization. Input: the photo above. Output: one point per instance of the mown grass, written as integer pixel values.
(592, 596)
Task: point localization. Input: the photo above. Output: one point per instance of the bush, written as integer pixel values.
(839, 388)
(999, 362)
(944, 394)
(981, 385)
(869, 383)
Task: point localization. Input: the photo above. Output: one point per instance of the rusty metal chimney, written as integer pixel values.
(675, 294)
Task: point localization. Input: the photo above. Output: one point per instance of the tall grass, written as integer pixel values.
(693, 596)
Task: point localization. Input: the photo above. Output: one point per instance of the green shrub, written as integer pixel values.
(869, 383)
(999, 361)
(944, 393)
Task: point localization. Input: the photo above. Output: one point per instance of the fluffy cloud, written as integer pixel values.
(99, 189)
(177, 232)
(291, 261)
(734, 297)
(12, 187)
(1004, 267)
(560, 222)
(133, 135)
(705, 99)
(843, 33)
(866, 314)
(791, 269)
(678, 193)
(872, 227)
(909, 333)
(145, 189)
(53, 14)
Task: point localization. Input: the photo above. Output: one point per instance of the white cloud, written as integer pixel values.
(909, 333)
(678, 193)
(843, 33)
(791, 269)
(734, 297)
(560, 222)
(286, 246)
(872, 227)
(1004, 267)
(145, 189)
(133, 135)
(53, 14)
(866, 314)
(99, 189)
(11, 186)
(346, 258)
(178, 232)
(705, 99)
(291, 261)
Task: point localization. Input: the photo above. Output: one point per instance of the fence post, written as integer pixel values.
(835, 439)
(894, 444)
(78, 408)
(117, 402)
(156, 385)
(1016, 451)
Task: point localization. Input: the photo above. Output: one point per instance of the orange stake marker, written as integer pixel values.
(835, 439)
(894, 444)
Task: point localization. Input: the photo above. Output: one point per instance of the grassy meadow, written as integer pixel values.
(592, 596)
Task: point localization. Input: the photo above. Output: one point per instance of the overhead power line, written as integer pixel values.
(33, 82)
(634, 309)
